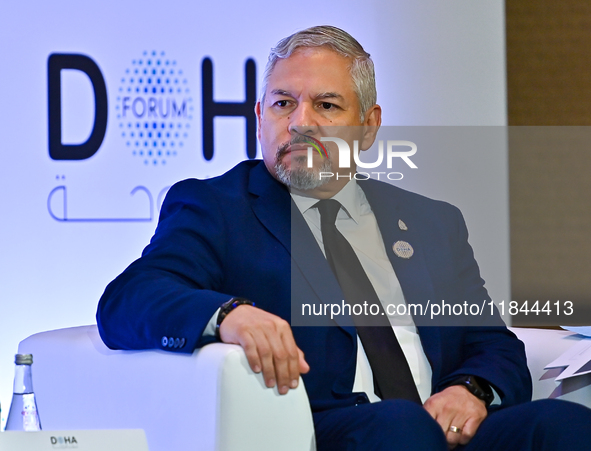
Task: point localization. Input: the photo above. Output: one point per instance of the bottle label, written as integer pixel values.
(29, 413)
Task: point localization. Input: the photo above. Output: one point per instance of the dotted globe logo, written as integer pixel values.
(154, 108)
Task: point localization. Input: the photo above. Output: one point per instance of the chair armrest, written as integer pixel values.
(208, 400)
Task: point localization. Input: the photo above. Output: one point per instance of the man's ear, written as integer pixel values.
(259, 113)
(371, 124)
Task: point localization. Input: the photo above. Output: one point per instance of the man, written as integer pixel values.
(242, 238)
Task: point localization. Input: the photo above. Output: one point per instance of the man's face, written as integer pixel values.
(306, 93)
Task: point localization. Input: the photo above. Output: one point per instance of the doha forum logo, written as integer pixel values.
(154, 108)
(151, 108)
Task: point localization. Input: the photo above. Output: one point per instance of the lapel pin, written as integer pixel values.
(402, 249)
(402, 225)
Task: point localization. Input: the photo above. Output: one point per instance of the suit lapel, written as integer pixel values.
(412, 273)
(276, 210)
(270, 203)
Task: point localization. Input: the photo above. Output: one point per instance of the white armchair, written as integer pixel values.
(209, 400)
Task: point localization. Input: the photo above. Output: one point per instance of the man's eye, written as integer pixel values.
(327, 105)
(281, 103)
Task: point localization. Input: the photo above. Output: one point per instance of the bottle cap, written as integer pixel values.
(23, 359)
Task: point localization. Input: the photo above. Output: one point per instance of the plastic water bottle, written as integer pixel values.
(23, 415)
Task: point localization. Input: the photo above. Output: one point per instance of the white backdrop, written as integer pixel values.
(438, 63)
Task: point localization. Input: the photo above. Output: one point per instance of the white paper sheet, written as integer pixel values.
(575, 361)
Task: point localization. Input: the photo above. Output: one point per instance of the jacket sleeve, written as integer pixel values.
(166, 298)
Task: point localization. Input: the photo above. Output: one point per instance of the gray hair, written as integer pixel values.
(361, 69)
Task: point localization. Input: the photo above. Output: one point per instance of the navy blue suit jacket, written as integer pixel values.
(241, 235)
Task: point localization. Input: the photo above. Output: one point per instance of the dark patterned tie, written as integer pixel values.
(392, 376)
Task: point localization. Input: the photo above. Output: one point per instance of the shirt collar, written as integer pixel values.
(348, 197)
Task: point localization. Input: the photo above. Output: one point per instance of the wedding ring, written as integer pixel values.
(455, 429)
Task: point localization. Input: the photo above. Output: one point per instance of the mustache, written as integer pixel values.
(298, 138)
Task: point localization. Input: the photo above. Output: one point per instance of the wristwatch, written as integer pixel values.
(477, 386)
(226, 308)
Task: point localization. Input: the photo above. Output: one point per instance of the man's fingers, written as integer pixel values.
(293, 361)
(280, 358)
(454, 428)
(460, 432)
(268, 344)
(455, 433)
(458, 412)
(469, 430)
(252, 354)
(285, 355)
(264, 349)
(303, 365)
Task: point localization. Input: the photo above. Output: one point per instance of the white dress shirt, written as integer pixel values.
(358, 225)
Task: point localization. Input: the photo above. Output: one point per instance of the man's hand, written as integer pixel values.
(456, 406)
(268, 343)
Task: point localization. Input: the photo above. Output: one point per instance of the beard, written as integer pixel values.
(299, 175)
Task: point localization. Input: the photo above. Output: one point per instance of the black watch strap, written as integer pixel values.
(477, 386)
(226, 308)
